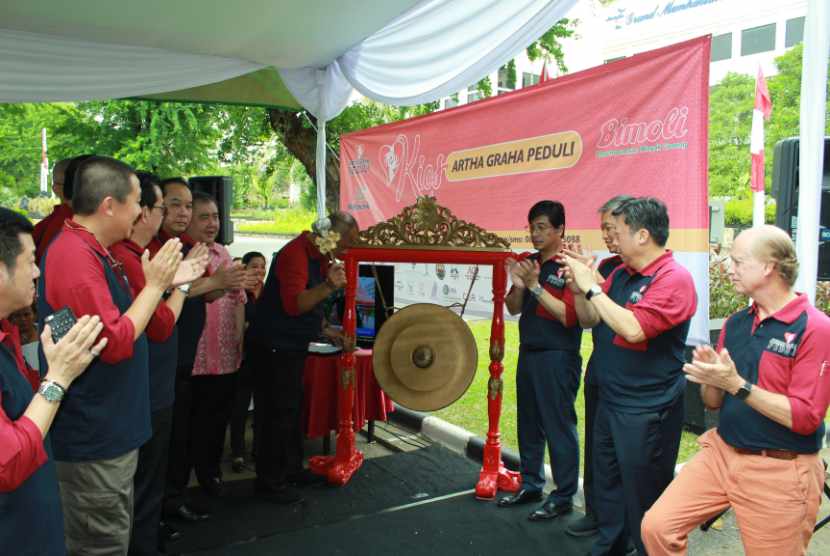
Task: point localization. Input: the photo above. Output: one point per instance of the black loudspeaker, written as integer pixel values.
(221, 189)
(785, 190)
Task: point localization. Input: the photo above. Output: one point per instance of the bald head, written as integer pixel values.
(770, 245)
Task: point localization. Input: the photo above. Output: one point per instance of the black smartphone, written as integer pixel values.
(60, 322)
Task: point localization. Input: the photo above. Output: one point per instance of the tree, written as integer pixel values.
(165, 138)
(730, 124)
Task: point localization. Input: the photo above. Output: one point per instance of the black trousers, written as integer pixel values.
(149, 485)
(178, 459)
(590, 393)
(634, 459)
(239, 412)
(546, 385)
(278, 391)
(210, 413)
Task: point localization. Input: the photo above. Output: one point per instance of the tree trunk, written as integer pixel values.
(301, 141)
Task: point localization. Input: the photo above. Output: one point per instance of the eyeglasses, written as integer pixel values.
(162, 208)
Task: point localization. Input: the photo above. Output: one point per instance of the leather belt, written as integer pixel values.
(775, 454)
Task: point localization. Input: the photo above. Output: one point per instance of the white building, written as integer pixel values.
(745, 34)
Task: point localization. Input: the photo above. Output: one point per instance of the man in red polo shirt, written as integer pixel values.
(49, 227)
(105, 418)
(289, 315)
(151, 469)
(30, 511)
(770, 378)
(640, 315)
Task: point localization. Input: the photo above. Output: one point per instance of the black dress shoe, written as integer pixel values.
(187, 513)
(550, 510)
(278, 494)
(214, 487)
(306, 478)
(585, 526)
(524, 496)
(168, 533)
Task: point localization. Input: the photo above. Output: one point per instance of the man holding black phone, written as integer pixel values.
(28, 483)
(106, 417)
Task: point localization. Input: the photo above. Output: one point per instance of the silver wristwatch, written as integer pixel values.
(596, 289)
(184, 288)
(51, 391)
(536, 291)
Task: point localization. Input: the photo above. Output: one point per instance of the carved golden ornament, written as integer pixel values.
(426, 224)
(496, 351)
(495, 387)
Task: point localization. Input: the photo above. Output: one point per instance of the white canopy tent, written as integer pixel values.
(312, 54)
(290, 54)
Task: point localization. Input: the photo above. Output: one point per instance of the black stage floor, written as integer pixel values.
(418, 502)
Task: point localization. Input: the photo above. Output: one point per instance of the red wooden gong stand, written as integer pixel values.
(411, 226)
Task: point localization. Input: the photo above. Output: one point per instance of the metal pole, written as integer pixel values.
(811, 145)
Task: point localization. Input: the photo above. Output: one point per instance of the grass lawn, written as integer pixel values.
(470, 412)
(284, 221)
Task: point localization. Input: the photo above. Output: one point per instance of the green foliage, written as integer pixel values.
(511, 74)
(548, 46)
(165, 138)
(723, 298)
(730, 124)
(286, 222)
(823, 297)
(738, 212)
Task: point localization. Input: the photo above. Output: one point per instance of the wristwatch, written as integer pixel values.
(536, 291)
(184, 288)
(744, 390)
(51, 391)
(592, 291)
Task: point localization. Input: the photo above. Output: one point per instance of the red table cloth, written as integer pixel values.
(320, 384)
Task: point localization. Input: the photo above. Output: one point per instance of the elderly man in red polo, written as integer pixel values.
(770, 378)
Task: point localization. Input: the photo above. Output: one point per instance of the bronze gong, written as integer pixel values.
(425, 357)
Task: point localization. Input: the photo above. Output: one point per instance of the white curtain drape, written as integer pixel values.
(435, 49)
(44, 68)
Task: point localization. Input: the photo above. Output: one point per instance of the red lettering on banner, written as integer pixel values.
(620, 133)
(423, 178)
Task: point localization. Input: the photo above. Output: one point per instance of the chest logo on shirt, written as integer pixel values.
(556, 280)
(637, 295)
(786, 347)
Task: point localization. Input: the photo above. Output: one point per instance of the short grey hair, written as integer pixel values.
(613, 203)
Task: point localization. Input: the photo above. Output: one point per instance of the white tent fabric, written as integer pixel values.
(435, 49)
(432, 49)
(42, 68)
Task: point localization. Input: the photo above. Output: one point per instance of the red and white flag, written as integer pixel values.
(543, 76)
(762, 111)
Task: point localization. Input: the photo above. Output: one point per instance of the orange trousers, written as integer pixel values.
(775, 501)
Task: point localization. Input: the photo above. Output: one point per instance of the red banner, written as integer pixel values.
(637, 126)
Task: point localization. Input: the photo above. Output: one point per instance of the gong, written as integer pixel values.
(425, 357)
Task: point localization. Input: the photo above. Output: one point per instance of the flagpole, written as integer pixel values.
(811, 143)
(761, 111)
(44, 164)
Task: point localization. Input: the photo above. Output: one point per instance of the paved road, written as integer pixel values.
(265, 245)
